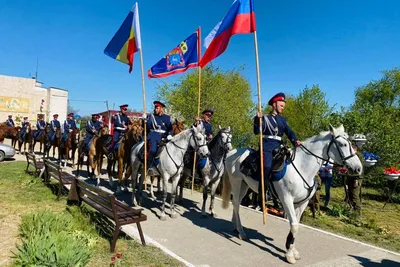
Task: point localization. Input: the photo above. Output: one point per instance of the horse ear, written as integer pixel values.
(194, 129)
(219, 127)
(341, 128)
(229, 128)
(331, 129)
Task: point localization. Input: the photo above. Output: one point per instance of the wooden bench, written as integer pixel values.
(37, 163)
(107, 204)
(53, 170)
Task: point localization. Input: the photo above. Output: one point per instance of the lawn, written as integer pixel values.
(379, 227)
(23, 194)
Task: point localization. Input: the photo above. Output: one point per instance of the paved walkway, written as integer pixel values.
(210, 241)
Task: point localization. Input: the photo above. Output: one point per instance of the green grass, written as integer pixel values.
(22, 194)
(379, 226)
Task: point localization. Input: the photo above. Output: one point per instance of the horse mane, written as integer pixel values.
(181, 135)
(213, 141)
(324, 134)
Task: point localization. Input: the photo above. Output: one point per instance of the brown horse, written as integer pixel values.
(9, 132)
(41, 139)
(122, 154)
(27, 139)
(55, 143)
(70, 144)
(96, 152)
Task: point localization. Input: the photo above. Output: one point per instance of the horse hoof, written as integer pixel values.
(290, 259)
(174, 215)
(203, 215)
(152, 196)
(163, 217)
(243, 237)
(296, 255)
(214, 215)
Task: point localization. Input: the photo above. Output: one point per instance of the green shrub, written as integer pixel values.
(48, 239)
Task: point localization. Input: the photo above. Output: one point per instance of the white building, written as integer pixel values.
(26, 97)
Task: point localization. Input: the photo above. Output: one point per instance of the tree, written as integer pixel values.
(308, 113)
(228, 93)
(376, 113)
(71, 109)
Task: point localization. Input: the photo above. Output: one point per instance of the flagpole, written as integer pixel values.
(260, 129)
(144, 126)
(198, 100)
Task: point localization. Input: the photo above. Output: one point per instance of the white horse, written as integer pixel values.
(297, 186)
(170, 165)
(219, 146)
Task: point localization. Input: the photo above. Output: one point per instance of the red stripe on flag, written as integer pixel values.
(131, 50)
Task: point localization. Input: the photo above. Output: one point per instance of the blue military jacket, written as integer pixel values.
(25, 123)
(160, 124)
(274, 126)
(40, 124)
(120, 121)
(54, 124)
(93, 126)
(69, 125)
(10, 122)
(207, 127)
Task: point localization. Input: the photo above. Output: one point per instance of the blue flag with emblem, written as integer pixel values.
(183, 57)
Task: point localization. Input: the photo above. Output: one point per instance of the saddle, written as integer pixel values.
(160, 148)
(251, 165)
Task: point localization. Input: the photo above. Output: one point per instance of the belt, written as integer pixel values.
(273, 137)
(158, 131)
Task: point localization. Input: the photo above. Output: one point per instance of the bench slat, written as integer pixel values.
(93, 188)
(96, 198)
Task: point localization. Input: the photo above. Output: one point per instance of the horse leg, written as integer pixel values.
(151, 187)
(163, 217)
(239, 190)
(287, 204)
(121, 173)
(214, 187)
(299, 211)
(205, 193)
(175, 181)
(109, 166)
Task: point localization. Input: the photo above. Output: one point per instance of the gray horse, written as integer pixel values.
(170, 165)
(212, 172)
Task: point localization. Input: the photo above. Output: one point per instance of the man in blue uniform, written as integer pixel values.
(92, 127)
(273, 128)
(159, 126)
(121, 122)
(205, 122)
(54, 124)
(40, 126)
(24, 125)
(68, 126)
(10, 122)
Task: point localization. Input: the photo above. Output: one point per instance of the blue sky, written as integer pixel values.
(337, 44)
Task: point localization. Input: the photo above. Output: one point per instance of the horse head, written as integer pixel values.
(75, 136)
(341, 151)
(225, 139)
(177, 127)
(199, 142)
(135, 130)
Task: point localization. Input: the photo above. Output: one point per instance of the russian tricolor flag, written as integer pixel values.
(240, 19)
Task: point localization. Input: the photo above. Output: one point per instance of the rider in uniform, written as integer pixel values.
(92, 127)
(121, 122)
(205, 122)
(25, 124)
(69, 125)
(159, 126)
(10, 122)
(53, 125)
(40, 126)
(273, 128)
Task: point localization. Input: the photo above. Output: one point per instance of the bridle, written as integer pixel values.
(327, 159)
(334, 142)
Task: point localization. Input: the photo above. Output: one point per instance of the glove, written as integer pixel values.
(144, 116)
(70, 130)
(169, 137)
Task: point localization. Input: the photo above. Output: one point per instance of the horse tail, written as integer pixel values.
(226, 190)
